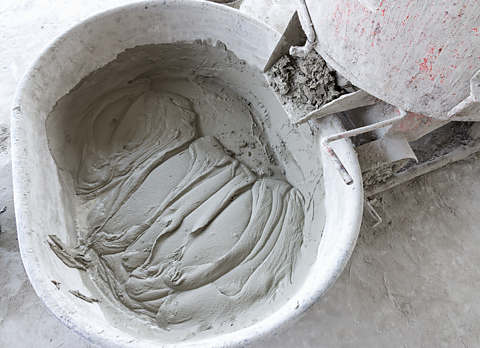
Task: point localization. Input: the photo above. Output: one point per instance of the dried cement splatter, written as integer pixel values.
(57, 284)
(81, 296)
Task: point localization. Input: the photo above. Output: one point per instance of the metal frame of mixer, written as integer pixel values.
(395, 127)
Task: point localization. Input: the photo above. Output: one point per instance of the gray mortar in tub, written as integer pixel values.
(196, 203)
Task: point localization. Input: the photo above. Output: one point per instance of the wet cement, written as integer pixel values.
(160, 150)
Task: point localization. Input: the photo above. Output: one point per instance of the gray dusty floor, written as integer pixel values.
(411, 282)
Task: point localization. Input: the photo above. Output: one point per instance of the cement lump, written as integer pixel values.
(307, 81)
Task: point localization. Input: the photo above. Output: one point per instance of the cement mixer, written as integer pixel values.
(422, 58)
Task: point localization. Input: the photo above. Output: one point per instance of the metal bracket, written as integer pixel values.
(471, 99)
(343, 103)
(371, 210)
(307, 26)
(292, 36)
(475, 86)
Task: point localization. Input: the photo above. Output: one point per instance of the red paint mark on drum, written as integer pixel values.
(426, 65)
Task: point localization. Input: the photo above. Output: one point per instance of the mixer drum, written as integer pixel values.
(416, 55)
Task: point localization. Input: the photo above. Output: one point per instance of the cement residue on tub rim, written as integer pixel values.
(57, 215)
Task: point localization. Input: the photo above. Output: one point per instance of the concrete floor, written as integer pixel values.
(411, 282)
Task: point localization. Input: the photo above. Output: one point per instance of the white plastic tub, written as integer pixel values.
(44, 198)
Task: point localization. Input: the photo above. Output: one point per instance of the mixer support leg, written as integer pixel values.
(333, 156)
